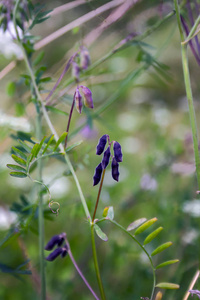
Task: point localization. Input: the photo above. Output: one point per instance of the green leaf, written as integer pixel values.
(152, 235)
(73, 146)
(60, 140)
(110, 214)
(166, 263)
(25, 146)
(34, 150)
(146, 225)
(100, 233)
(40, 145)
(48, 144)
(11, 88)
(167, 285)
(29, 159)
(18, 174)
(19, 152)
(19, 160)
(56, 110)
(161, 248)
(38, 58)
(16, 168)
(136, 224)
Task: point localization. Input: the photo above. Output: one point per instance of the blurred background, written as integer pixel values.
(139, 100)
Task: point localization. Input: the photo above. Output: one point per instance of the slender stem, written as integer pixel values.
(79, 271)
(189, 95)
(69, 120)
(96, 265)
(98, 196)
(193, 32)
(143, 249)
(41, 212)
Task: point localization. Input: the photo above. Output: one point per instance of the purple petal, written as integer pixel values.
(97, 175)
(115, 169)
(106, 158)
(101, 145)
(55, 240)
(85, 58)
(117, 152)
(54, 254)
(87, 96)
(78, 100)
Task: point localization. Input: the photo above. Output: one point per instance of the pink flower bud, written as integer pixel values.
(78, 100)
(87, 96)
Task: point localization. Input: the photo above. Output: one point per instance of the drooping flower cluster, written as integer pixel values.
(106, 158)
(87, 95)
(57, 240)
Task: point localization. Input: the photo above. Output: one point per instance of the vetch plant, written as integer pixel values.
(32, 153)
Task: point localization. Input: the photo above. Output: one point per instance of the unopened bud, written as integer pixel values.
(55, 240)
(85, 58)
(78, 101)
(54, 254)
(101, 145)
(115, 169)
(65, 251)
(106, 158)
(158, 296)
(87, 96)
(117, 152)
(97, 175)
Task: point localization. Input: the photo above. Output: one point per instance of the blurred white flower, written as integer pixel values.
(6, 218)
(7, 46)
(192, 207)
(131, 145)
(162, 117)
(16, 123)
(148, 183)
(190, 236)
(128, 122)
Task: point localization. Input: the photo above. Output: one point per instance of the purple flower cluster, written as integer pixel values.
(87, 94)
(57, 240)
(106, 158)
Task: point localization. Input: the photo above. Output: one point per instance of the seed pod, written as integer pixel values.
(78, 100)
(115, 169)
(106, 158)
(97, 175)
(87, 96)
(117, 152)
(101, 144)
(85, 58)
(54, 254)
(55, 240)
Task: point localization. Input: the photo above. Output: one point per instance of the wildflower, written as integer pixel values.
(101, 145)
(106, 158)
(115, 169)
(117, 152)
(97, 175)
(54, 254)
(195, 292)
(78, 100)
(88, 101)
(75, 71)
(55, 240)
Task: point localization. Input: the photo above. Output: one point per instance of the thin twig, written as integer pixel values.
(66, 7)
(194, 279)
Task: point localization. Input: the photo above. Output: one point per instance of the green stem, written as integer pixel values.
(193, 32)
(189, 95)
(143, 249)
(98, 196)
(96, 265)
(41, 212)
(51, 127)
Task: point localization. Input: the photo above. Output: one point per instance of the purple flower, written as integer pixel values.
(78, 100)
(65, 251)
(55, 240)
(117, 152)
(115, 169)
(85, 58)
(54, 254)
(97, 175)
(106, 158)
(101, 145)
(87, 96)
(195, 292)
